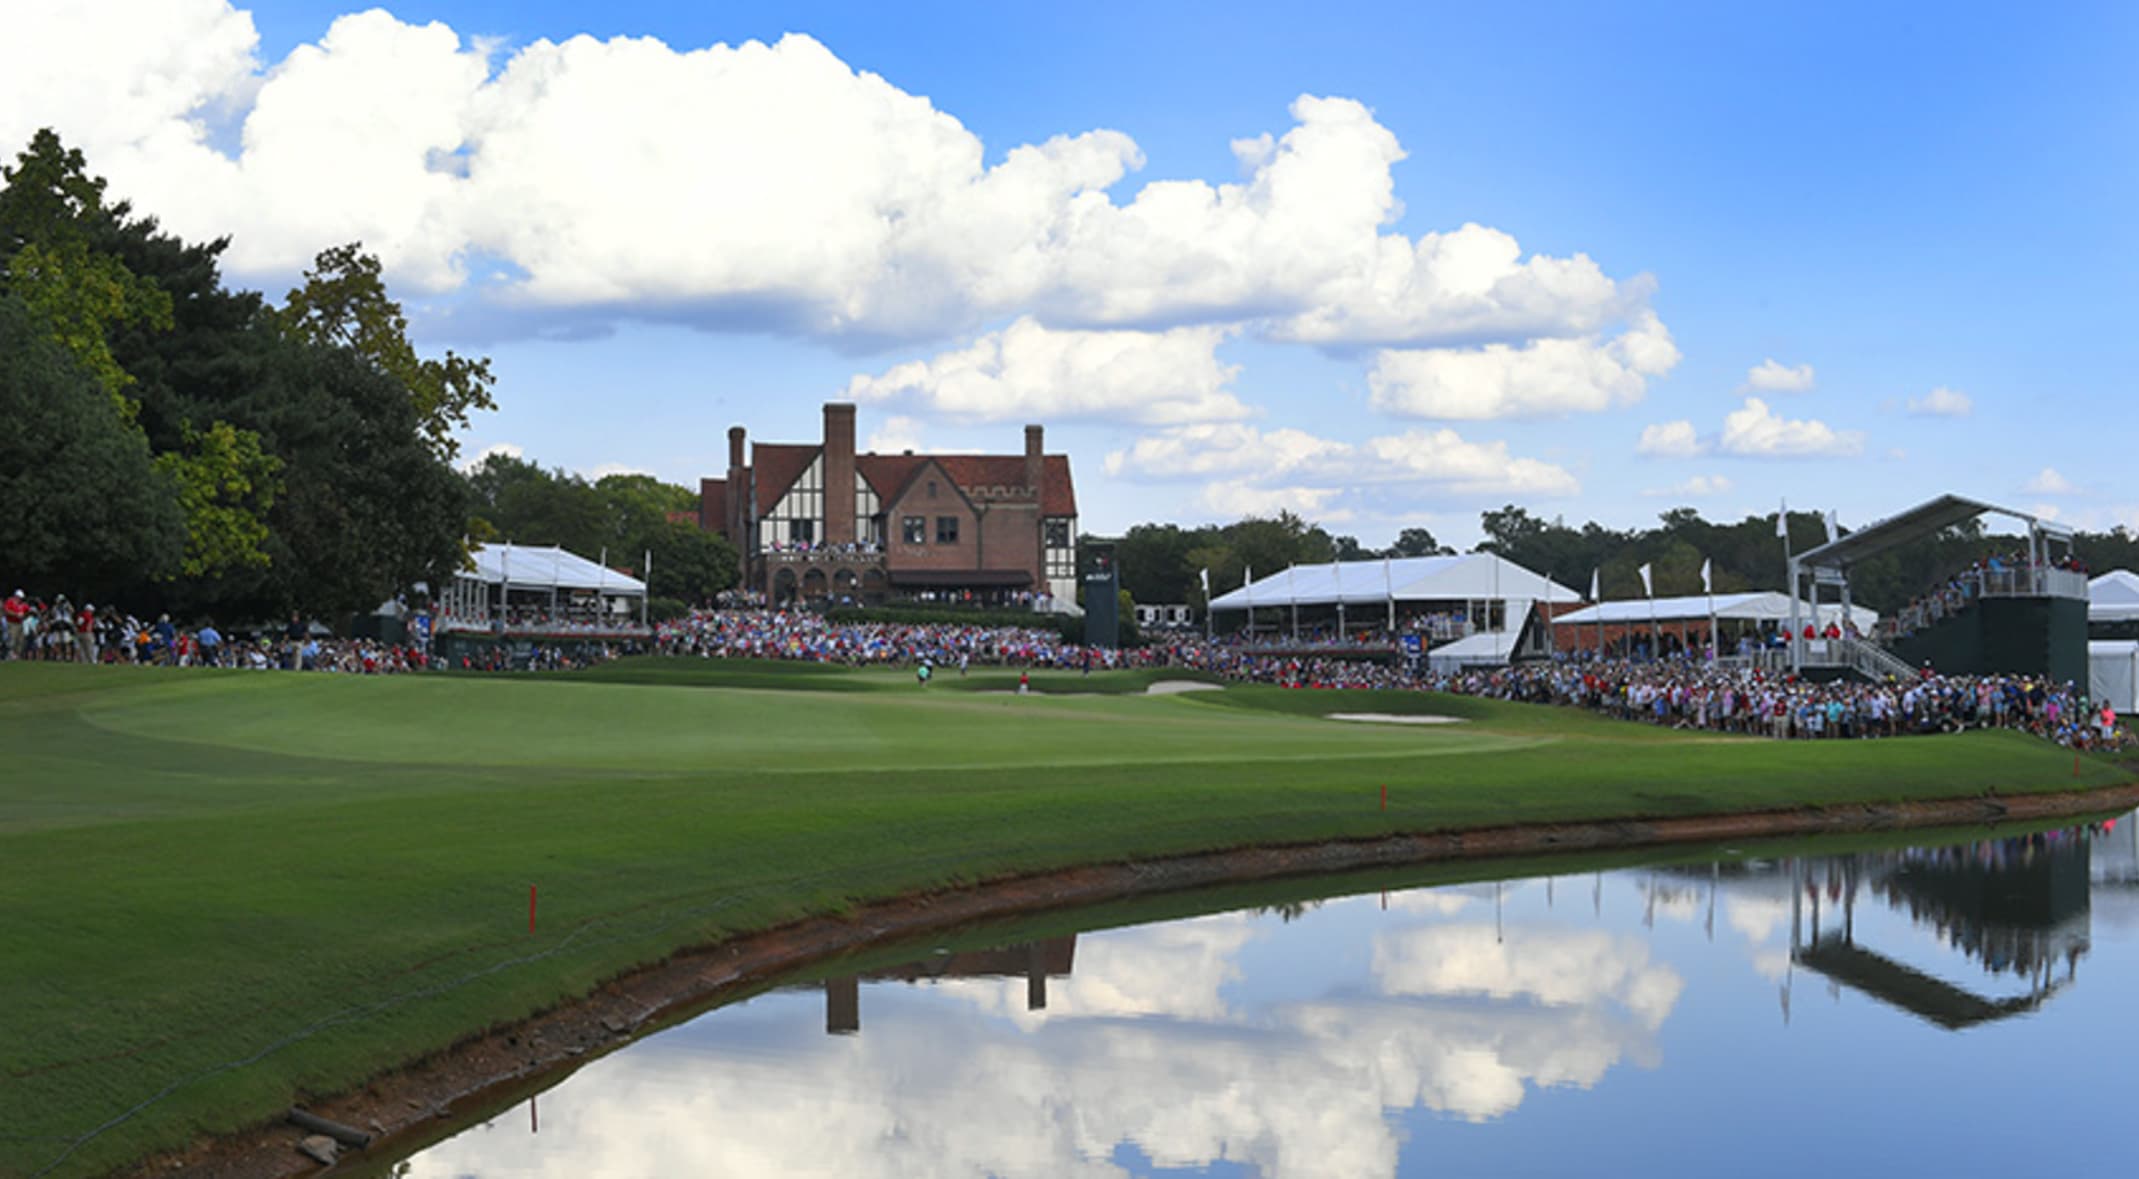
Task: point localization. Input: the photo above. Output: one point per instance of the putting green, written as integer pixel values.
(226, 890)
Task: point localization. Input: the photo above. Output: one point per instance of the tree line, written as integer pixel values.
(173, 443)
(1163, 562)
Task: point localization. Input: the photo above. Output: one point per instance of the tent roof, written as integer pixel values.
(1484, 647)
(1758, 606)
(2113, 597)
(1925, 519)
(549, 567)
(1405, 579)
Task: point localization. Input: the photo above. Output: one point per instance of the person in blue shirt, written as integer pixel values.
(211, 641)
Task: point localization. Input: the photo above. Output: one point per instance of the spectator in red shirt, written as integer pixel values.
(14, 612)
(85, 633)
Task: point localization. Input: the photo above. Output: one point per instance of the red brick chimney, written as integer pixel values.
(1036, 464)
(838, 472)
(739, 497)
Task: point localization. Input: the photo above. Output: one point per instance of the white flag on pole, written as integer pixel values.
(1782, 521)
(1707, 585)
(1206, 585)
(1646, 587)
(1834, 527)
(1593, 585)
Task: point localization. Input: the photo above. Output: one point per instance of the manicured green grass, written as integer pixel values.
(225, 890)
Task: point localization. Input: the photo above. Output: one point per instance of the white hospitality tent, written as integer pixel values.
(2113, 597)
(1470, 577)
(2113, 673)
(524, 575)
(1756, 606)
(1688, 615)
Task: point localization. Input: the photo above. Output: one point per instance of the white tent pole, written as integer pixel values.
(1294, 599)
(1388, 588)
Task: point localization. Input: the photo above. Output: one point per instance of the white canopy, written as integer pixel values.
(548, 568)
(2114, 597)
(2113, 672)
(1469, 577)
(1759, 606)
(1486, 648)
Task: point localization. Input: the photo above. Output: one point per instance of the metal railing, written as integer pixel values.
(2038, 582)
(1871, 660)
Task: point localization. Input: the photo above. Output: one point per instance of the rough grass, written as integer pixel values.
(225, 890)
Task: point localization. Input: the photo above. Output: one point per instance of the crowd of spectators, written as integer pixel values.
(58, 631)
(1687, 693)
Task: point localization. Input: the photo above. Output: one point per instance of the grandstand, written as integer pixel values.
(2023, 617)
(522, 595)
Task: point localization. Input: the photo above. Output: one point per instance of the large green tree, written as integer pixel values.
(85, 509)
(344, 303)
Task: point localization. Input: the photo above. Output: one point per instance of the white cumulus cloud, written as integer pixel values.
(770, 187)
(1697, 487)
(1542, 378)
(1942, 403)
(1670, 440)
(1254, 471)
(1772, 376)
(1026, 370)
(898, 433)
(1756, 431)
(506, 449)
(2049, 482)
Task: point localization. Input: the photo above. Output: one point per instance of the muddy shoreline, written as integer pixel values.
(403, 1108)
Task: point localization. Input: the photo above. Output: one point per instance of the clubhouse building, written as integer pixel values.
(817, 523)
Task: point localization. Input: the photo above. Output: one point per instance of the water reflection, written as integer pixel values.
(1408, 1032)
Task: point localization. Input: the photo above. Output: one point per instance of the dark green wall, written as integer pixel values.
(2017, 636)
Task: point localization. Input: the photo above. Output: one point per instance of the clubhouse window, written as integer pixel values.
(946, 530)
(915, 529)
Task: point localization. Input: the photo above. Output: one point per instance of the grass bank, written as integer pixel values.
(225, 890)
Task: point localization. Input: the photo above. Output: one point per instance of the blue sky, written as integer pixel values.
(1907, 199)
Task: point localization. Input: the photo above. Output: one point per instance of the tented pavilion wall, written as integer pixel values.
(1757, 617)
(1442, 599)
(2113, 605)
(2113, 673)
(542, 593)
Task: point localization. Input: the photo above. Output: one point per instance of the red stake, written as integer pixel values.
(1385, 796)
(530, 908)
(2075, 765)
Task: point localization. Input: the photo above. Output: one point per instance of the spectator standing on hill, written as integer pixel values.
(15, 613)
(294, 635)
(85, 633)
(211, 643)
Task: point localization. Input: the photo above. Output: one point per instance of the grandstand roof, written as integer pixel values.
(1471, 576)
(548, 567)
(2113, 597)
(1925, 519)
(1757, 606)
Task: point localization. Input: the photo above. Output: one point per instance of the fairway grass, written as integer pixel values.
(225, 891)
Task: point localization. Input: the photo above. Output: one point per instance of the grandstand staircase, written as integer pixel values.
(1870, 660)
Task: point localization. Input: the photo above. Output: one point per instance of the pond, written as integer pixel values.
(1956, 1005)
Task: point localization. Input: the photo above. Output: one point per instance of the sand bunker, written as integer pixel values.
(1392, 718)
(1176, 687)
